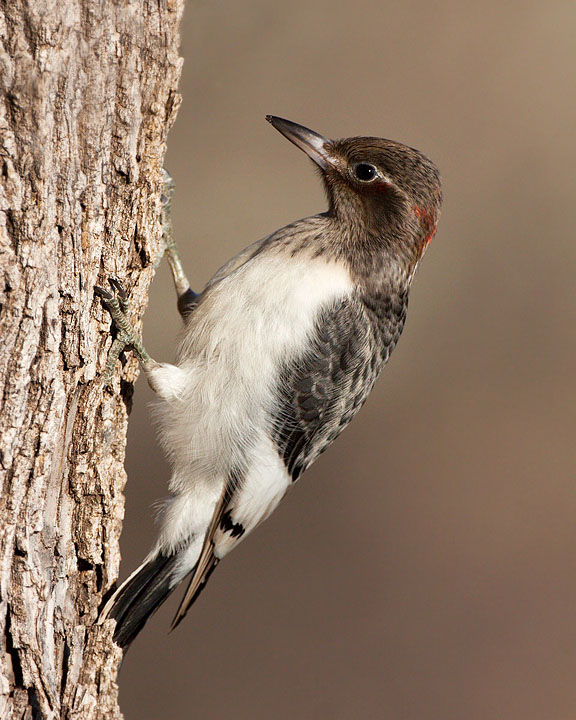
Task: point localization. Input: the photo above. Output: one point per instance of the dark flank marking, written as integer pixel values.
(187, 302)
(319, 393)
(228, 525)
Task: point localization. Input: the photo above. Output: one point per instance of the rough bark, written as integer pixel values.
(88, 94)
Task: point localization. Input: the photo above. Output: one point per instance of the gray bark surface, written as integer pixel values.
(88, 94)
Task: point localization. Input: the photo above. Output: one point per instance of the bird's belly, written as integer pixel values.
(260, 316)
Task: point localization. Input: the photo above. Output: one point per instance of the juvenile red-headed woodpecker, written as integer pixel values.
(278, 354)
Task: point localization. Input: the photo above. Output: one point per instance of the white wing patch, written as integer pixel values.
(262, 489)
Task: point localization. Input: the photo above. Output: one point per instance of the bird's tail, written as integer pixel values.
(141, 595)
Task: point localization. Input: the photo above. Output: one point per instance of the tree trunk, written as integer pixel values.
(89, 92)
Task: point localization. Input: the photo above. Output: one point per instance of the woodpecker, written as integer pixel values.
(278, 354)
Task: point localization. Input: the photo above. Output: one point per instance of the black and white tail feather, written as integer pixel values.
(142, 593)
(140, 596)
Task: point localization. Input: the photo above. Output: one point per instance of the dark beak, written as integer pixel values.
(314, 145)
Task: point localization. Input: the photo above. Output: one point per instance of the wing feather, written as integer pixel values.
(320, 392)
(207, 560)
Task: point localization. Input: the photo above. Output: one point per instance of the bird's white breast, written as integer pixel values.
(246, 325)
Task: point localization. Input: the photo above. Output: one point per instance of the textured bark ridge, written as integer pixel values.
(88, 94)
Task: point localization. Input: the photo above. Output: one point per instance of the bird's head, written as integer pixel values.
(384, 193)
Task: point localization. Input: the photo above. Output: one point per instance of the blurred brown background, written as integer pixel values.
(425, 567)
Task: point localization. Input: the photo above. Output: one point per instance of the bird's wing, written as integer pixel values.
(207, 560)
(297, 232)
(320, 392)
(316, 397)
(237, 261)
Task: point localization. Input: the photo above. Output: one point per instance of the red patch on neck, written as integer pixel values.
(428, 223)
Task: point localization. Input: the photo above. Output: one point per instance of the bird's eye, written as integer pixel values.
(365, 172)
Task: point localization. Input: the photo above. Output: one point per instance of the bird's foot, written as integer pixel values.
(117, 303)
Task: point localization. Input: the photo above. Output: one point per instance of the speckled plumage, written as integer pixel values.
(278, 354)
(320, 392)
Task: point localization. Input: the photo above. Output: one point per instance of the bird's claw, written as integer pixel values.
(103, 293)
(117, 303)
(121, 295)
